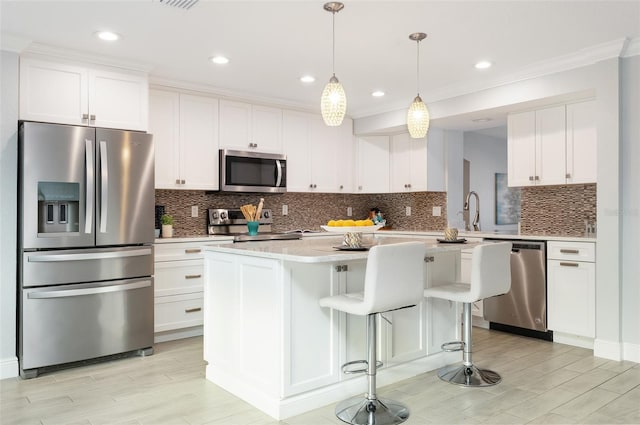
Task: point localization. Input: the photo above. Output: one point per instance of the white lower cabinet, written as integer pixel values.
(571, 291)
(178, 292)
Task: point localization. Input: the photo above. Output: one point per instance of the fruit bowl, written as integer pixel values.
(347, 229)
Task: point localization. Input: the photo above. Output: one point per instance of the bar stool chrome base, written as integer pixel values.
(378, 411)
(469, 376)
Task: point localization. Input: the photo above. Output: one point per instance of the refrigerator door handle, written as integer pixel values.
(89, 256)
(63, 293)
(104, 186)
(88, 219)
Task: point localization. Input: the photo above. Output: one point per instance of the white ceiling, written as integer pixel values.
(271, 44)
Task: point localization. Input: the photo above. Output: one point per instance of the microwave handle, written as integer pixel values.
(279, 176)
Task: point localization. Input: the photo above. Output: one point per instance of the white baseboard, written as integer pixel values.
(575, 340)
(8, 368)
(607, 349)
(282, 408)
(177, 334)
(631, 352)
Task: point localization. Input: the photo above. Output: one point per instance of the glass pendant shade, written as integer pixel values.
(418, 119)
(333, 103)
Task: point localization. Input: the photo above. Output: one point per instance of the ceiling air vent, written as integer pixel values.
(181, 4)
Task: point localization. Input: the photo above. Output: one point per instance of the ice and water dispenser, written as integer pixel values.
(58, 207)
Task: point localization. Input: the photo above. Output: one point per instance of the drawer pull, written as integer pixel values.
(192, 310)
(570, 264)
(570, 251)
(193, 251)
(192, 276)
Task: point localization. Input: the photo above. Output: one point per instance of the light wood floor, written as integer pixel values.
(542, 383)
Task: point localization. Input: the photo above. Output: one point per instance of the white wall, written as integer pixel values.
(8, 212)
(487, 155)
(630, 253)
(454, 174)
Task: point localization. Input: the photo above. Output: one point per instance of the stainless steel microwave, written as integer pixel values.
(242, 171)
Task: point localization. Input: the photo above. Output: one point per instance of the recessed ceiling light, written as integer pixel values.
(107, 35)
(377, 93)
(307, 79)
(483, 65)
(482, 119)
(219, 60)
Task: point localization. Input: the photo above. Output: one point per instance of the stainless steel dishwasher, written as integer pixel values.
(522, 310)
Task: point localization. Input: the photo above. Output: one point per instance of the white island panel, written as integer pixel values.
(269, 342)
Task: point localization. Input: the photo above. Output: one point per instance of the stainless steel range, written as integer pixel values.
(231, 221)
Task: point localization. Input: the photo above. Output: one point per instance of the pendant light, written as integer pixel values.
(333, 102)
(418, 114)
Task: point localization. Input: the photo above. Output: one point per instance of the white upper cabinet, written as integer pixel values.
(82, 95)
(250, 127)
(185, 132)
(372, 164)
(551, 146)
(408, 164)
(319, 157)
(417, 165)
(582, 143)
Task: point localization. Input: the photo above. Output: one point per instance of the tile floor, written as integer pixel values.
(543, 383)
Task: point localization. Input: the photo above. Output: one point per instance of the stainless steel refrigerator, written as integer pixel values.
(85, 234)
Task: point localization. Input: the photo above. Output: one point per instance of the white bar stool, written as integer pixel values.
(490, 276)
(394, 279)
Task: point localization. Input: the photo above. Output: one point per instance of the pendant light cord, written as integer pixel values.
(333, 46)
(418, 67)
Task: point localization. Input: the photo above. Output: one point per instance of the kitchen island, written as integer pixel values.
(267, 341)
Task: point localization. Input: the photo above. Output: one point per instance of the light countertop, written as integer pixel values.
(204, 238)
(322, 250)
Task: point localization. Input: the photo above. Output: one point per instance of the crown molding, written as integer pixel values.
(12, 43)
(198, 88)
(631, 48)
(81, 56)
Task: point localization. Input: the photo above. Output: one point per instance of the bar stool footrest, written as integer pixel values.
(347, 371)
(452, 346)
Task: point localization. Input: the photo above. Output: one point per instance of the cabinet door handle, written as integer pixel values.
(177, 181)
(192, 276)
(92, 117)
(567, 176)
(570, 251)
(569, 264)
(530, 178)
(341, 187)
(192, 310)
(182, 181)
(85, 117)
(429, 259)
(192, 251)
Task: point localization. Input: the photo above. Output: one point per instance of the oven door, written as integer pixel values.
(252, 172)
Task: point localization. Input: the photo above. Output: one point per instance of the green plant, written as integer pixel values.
(166, 219)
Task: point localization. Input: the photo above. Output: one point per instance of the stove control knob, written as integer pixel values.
(223, 215)
(266, 214)
(214, 215)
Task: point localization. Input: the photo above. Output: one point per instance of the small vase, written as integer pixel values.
(167, 231)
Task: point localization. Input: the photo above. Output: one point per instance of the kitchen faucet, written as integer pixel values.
(476, 218)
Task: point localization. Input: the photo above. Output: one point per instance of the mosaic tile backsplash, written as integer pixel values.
(557, 210)
(306, 210)
(546, 210)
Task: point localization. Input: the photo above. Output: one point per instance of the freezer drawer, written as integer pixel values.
(70, 323)
(44, 268)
